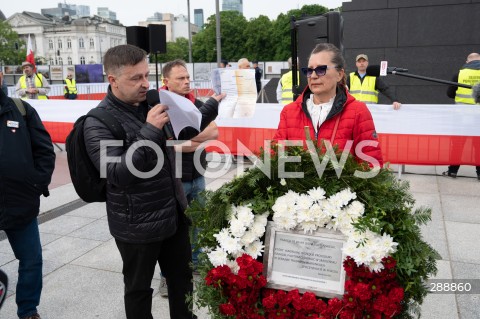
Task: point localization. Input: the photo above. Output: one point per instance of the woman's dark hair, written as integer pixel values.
(337, 58)
(122, 55)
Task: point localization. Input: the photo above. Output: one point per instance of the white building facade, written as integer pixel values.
(65, 41)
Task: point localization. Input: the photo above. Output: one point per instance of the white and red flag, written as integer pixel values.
(30, 56)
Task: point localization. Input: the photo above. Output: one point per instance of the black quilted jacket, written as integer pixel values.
(141, 209)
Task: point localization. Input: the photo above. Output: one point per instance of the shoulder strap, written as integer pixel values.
(40, 78)
(18, 102)
(109, 120)
(335, 129)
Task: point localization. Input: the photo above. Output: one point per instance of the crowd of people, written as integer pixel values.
(146, 215)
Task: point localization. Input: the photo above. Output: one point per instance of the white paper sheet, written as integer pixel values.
(182, 111)
(241, 90)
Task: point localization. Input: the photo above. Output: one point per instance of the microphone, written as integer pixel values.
(476, 92)
(153, 98)
(374, 70)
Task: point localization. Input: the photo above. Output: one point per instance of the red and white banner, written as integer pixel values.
(415, 134)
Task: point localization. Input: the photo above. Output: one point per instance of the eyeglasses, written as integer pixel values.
(320, 70)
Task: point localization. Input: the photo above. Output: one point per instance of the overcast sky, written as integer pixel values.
(129, 12)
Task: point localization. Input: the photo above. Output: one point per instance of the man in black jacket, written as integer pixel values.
(26, 167)
(145, 201)
(176, 79)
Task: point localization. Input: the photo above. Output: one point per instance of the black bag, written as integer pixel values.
(85, 177)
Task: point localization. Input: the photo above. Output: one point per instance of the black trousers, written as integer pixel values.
(174, 256)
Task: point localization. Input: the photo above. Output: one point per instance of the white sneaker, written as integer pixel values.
(163, 289)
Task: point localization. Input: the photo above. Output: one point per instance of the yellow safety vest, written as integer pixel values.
(38, 84)
(287, 83)
(470, 77)
(72, 86)
(364, 91)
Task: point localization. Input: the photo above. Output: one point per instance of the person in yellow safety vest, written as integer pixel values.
(70, 89)
(32, 85)
(468, 74)
(365, 88)
(284, 87)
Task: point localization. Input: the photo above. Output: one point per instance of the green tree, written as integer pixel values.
(282, 29)
(260, 42)
(12, 48)
(257, 39)
(175, 50)
(232, 35)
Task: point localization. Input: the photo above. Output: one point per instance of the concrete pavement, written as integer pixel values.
(82, 267)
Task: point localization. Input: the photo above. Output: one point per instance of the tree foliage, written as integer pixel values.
(12, 48)
(256, 39)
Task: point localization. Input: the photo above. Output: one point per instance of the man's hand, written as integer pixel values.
(32, 91)
(157, 116)
(397, 105)
(219, 97)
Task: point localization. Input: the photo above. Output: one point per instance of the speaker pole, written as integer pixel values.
(156, 70)
(293, 48)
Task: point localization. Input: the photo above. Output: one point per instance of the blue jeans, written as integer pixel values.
(25, 243)
(192, 189)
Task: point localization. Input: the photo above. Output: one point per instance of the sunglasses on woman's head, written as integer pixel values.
(320, 70)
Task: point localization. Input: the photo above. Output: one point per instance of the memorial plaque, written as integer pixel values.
(307, 262)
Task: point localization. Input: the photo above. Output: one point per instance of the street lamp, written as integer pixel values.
(189, 34)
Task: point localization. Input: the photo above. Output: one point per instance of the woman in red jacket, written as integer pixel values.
(329, 111)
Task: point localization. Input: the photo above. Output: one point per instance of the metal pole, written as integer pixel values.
(219, 41)
(189, 35)
(156, 71)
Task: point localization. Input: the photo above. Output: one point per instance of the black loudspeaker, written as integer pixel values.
(138, 36)
(157, 36)
(326, 28)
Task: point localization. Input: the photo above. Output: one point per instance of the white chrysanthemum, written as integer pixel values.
(306, 215)
(231, 245)
(355, 209)
(222, 235)
(284, 222)
(248, 238)
(308, 226)
(245, 215)
(330, 208)
(317, 193)
(375, 266)
(283, 182)
(255, 249)
(346, 196)
(291, 198)
(362, 256)
(258, 228)
(237, 228)
(349, 248)
(217, 257)
(281, 205)
(262, 218)
(233, 266)
(387, 243)
(304, 202)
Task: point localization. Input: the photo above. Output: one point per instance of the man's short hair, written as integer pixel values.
(122, 55)
(167, 67)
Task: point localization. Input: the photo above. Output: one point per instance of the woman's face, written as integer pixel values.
(324, 87)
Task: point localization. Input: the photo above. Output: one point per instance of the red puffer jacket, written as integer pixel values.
(355, 124)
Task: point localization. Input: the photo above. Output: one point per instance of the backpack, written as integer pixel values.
(85, 177)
